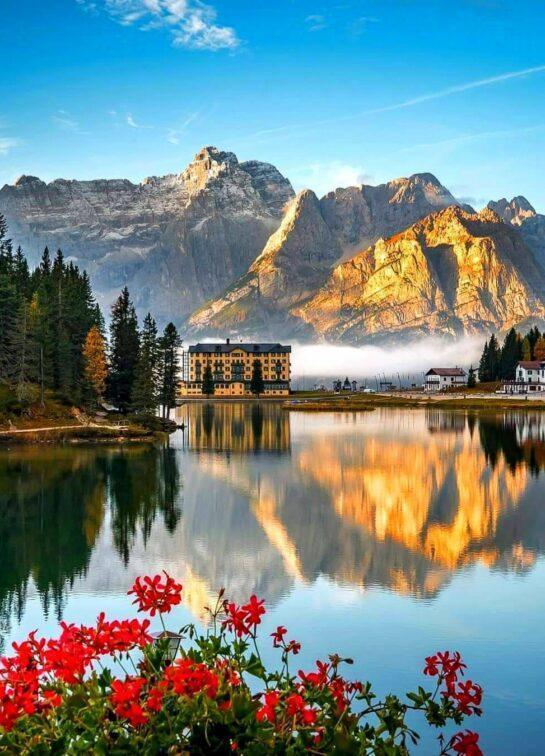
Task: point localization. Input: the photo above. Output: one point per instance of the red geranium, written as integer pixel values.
(155, 594)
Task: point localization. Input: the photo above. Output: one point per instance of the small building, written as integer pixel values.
(440, 379)
(529, 378)
(232, 366)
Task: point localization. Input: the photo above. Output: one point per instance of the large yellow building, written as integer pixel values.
(232, 367)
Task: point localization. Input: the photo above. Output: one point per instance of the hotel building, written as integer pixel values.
(232, 366)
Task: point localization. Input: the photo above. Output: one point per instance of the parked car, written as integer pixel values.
(369, 391)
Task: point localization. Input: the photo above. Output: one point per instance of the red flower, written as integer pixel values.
(278, 636)
(468, 695)
(293, 647)
(188, 678)
(466, 743)
(254, 609)
(267, 713)
(156, 695)
(125, 697)
(153, 594)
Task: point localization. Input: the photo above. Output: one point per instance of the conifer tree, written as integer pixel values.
(539, 349)
(471, 379)
(145, 391)
(23, 357)
(526, 349)
(483, 365)
(124, 349)
(208, 381)
(169, 367)
(494, 355)
(510, 355)
(95, 365)
(256, 383)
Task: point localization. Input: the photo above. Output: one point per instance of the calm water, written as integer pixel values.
(384, 536)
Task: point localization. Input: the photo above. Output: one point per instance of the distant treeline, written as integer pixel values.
(53, 338)
(499, 363)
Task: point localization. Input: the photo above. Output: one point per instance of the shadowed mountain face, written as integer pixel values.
(520, 213)
(175, 240)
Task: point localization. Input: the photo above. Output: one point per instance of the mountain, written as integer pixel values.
(314, 235)
(453, 272)
(514, 212)
(519, 212)
(175, 240)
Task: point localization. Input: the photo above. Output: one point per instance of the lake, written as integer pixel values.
(382, 535)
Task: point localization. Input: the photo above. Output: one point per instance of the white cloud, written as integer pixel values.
(8, 143)
(174, 134)
(458, 88)
(66, 122)
(324, 177)
(134, 125)
(191, 23)
(315, 22)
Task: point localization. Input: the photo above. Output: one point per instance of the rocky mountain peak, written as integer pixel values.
(28, 181)
(514, 212)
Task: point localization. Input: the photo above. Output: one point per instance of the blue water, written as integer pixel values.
(384, 536)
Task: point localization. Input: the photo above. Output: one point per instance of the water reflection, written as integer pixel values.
(255, 499)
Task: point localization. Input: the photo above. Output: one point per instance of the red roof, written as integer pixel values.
(447, 372)
(531, 364)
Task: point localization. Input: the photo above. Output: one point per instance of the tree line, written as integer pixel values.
(499, 362)
(53, 338)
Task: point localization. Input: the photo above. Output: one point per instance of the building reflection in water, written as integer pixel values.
(236, 427)
(396, 499)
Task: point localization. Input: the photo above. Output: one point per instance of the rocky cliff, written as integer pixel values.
(453, 272)
(314, 235)
(175, 240)
(520, 213)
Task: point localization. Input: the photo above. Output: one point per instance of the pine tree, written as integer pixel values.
(510, 356)
(539, 349)
(124, 349)
(23, 356)
(471, 379)
(169, 368)
(533, 336)
(526, 349)
(208, 381)
(484, 376)
(256, 383)
(494, 356)
(95, 366)
(145, 392)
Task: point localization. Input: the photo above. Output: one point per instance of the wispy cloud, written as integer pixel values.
(438, 94)
(474, 137)
(8, 143)
(360, 25)
(315, 22)
(174, 134)
(134, 124)
(66, 122)
(459, 88)
(191, 23)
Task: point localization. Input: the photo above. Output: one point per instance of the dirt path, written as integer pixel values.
(61, 427)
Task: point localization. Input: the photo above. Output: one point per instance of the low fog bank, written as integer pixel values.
(315, 363)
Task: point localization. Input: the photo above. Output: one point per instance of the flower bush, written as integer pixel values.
(59, 696)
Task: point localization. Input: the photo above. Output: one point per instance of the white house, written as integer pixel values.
(438, 379)
(529, 377)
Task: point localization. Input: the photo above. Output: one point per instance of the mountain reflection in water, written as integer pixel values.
(255, 499)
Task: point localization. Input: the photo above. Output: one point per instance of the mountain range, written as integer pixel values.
(227, 248)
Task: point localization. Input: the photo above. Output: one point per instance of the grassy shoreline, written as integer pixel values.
(370, 402)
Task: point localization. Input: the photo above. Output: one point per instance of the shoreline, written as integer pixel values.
(370, 402)
(78, 434)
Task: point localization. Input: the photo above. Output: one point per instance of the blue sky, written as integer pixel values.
(333, 93)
